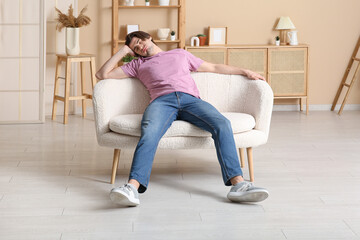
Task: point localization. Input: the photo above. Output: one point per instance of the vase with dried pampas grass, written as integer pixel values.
(72, 25)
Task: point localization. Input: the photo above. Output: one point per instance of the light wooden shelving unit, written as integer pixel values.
(180, 23)
(286, 68)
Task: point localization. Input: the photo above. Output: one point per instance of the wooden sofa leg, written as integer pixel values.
(115, 165)
(242, 157)
(250, 162)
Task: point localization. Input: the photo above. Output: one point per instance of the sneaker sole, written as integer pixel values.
(256, 196)
(123, 200)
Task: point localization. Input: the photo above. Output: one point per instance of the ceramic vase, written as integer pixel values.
(163, 33)
(129, 2)
(72, 41)
(164, 2)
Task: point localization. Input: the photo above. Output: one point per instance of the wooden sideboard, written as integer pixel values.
(286, 68)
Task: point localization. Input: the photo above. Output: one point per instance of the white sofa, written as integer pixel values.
(119, 104)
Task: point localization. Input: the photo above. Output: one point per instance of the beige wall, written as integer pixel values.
(330, 27)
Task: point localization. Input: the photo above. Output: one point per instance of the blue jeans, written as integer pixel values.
(159, 116)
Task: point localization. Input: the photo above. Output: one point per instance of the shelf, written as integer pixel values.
(179, 7)
(143, 6)
(156, 40)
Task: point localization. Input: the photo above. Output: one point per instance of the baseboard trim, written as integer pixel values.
(316, 107)
(89, 110)
(276, 108)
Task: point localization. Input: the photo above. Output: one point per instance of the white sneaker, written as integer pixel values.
(246, 192)
(126, 195)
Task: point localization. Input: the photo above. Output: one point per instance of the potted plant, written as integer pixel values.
(172, 36)
(202, 38)
(128, 58)
(147, 2)
(277, 41)
(72, 25)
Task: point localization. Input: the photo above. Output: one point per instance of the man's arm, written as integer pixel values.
(110, 69)
(227, 69)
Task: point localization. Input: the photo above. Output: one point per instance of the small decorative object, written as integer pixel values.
(172, 36)
(195, 40)
(163, 33)
(132, 28)
(147, 2)
(283, 25)
(72, 25)
(202, 38)
(164, 2)
(217, 35)
(129, 2)
(277, 41)
(292, 35)
(128, 58)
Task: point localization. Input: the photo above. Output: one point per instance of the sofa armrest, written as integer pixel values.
(258, 102)
(113, 97)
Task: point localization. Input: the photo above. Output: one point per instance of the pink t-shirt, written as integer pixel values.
(165, 72)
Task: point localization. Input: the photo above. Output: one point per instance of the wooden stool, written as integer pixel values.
(82, 58)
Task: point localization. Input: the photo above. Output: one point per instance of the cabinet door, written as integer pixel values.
(217, 55)
(252, 59)
(287, 71)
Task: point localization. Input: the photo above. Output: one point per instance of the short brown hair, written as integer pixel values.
(139, 34)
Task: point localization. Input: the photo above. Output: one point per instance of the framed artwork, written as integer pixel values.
(132, 28)
(217, 35)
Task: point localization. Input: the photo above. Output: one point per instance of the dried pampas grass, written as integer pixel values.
(71, 21)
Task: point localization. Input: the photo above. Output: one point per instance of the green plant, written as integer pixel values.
(128, 58)
(147, 0)
(172, 33)
(277, 38)
(201, 35)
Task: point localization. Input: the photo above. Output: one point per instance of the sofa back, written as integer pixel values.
(228, 93)
(225, 92)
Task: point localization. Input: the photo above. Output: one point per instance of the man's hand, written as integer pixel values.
(128, 50)
(253, 75)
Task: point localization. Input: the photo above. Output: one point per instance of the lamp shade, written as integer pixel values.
(285, 23)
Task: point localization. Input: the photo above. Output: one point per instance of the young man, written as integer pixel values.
(174, 96)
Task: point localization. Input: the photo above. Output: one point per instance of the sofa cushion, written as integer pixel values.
(130, 124)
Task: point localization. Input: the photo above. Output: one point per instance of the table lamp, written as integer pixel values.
(284, 24)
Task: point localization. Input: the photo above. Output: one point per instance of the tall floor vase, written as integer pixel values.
(72, 41)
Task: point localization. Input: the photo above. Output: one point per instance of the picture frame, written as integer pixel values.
(132, 28)
(218, 35)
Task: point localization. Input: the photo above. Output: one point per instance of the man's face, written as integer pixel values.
(141, 47)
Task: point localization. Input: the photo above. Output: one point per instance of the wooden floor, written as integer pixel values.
(54, 185)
